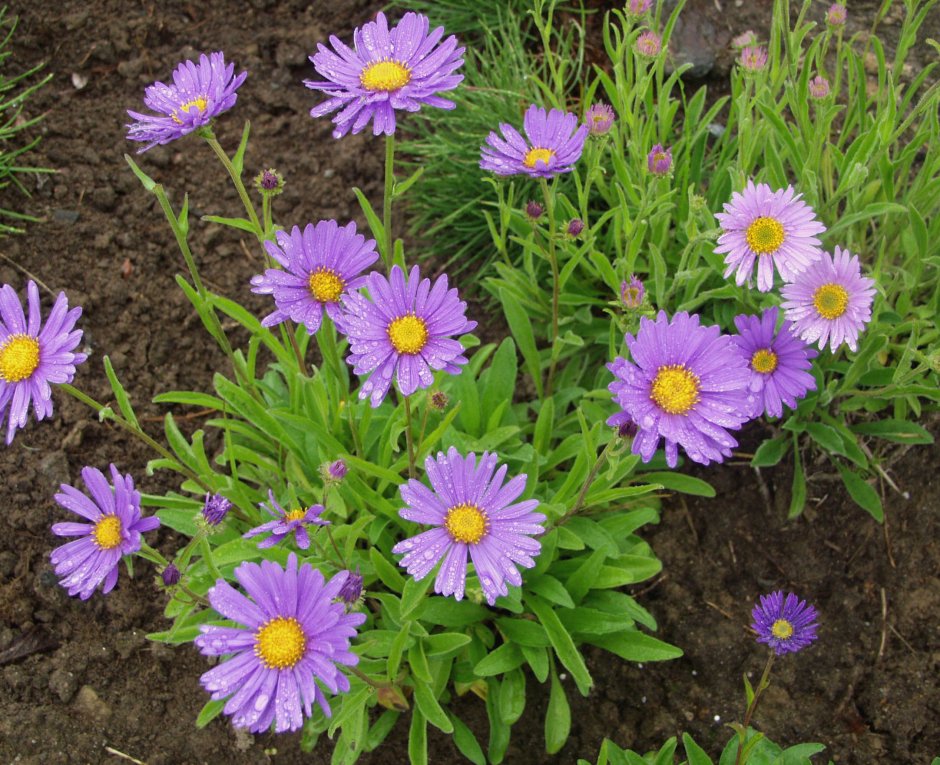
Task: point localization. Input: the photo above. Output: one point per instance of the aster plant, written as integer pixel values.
(553, 142)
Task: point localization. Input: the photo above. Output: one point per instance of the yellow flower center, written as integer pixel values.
(408, 334)
(659, 156)
(19, 357)
(325, 285)
(295, 515)
(764, 235)
(197, 104)
(764, 361)
(781, 629)
(831, 300)
(675, 389)
(466, 523)
(385, 75)
(280, 643)
(534, 155)
(107, 532)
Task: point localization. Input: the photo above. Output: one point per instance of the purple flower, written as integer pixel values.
(472, 511)
(775, 228)
(831, 300)
(553, 143)
(115, 529)
(787, 626)
(351, 590)
(286, 523)
(215, 509)
(659, 160)
(819, 87)
(269, 182)
(321, 264)
(686, 384)
(337, 470)
(293, 638)
(402, 68)
(170, 575)
(638, 7)
(632, 292)
(403, 332)
(533, 210)
(778, 362)
(836, 15)
(199, 93)
(599, 118)
(575, 227)
(744, 40)
(626, 427)
(753, 58)
(648, 44)
(31, 358)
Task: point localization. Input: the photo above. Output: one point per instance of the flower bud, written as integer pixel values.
(632, 292)
(351, 590)
(648, 44)
(819, 87)
(836, 15)
(599, 118)
(215, 509)
(659, 160)
(269, 182)
(170, 575)
(533, 210)
(438, 400)
(575, 227)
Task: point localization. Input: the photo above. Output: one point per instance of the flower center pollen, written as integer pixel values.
(831, 300)
(408, 334)
(325, 285)
(385, 75)
(295, 515)
(675, 389)
(280, 643)
(107, 532)
(764, 361)
(764, 235)
(536, 155)
(466, 523)
(196, 106)
(19, 357)
(782, 629)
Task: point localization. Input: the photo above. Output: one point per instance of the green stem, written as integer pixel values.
(292, 338)
(237, 180)
(424, 424)
(388, 254)
(752, 707)
(342, 558)
(148, 553)
(368, 680)
(207, 557)
(553, 260)
(579, 502)
(412, 473)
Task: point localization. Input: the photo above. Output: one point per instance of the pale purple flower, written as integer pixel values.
(553, 143)
(786, 625)
(773, 228)
(286, 523)
(659, 160)
(744, 40)
(290, 635)
(404, 332)
(199, 93)
(473, 513)
(632, 292)
(575, 227)
(337, 470)
(215, 508)
(599, 118)
(836, 15)
(648, 44)
(388, 70)
(638, 7)
(830, 301)
(114, 530)
(753, 58)
(819, 87)
(32, 356)
(321, 264)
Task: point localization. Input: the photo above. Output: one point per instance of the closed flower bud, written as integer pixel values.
(438, 400)
(170, 575)
(659, 161)
(575, 227)
(533, 210)
(351, 590)
(269, 182)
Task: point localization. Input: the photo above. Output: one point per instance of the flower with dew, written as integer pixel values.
(32, 356)
(290, 635)
(686, 385)
(648, 44)
(831, 300)
(778, 360)
(404, 332)
(215, 508)
(786, 624)
(659, 160)
(836, 15)
(473, 512)
(773, 228)
(753, 58)
(744, 40)
(819, 87)
(199, 93)
(387, 70)
(286, 523)
(599, 117)
(114, 529)
(632, 292)
(321, 264)
(553, 143)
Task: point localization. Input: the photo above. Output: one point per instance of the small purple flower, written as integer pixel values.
(215, 508)
(404, 332)
(286, 523)
(774, 228)
(351, 590)
(778, 362)
(533, 210)
(114, 531)
(337, 470)
(686, 385)
(199, 93)
(638, 7)
(786, 625)
(836, 15)
(599, 118)
(269, 182)
(819, 87)
(632, 292)
(831, 300)
(438, 400)
(170, 575)
(744, 40)
(294, 636)
(472, 512)
(321, 263)
(753, 58)
(33, 356)
(575, 227)
(659, 161)
(649, 44)
(553, 143)
(389, 70)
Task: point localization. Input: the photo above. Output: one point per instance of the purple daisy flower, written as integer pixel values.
(473, 512)
(778, 362)
(555, 142)
(322, 263)
(390, 69)
(199, 93)
(599, 118)
(686, 384)
(775, 228)
(404, 332)
(215, 508)
(632, 292)
(115, 529)
(753, 58)
(659, 160)
(786, 625)
(831, 300)
(286, 523)
(294, 636)
(31, 358)
(649, 44)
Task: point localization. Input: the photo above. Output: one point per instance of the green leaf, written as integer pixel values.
(557, 717)
(694, 753)
(238, 161)
(770, 452)
(899, 431)
(504, 659)
(636, 646)
(124, 403)
(564, 646)
(679, 482)
(551, 589)
(209, 711)
(827, 437)
(413, 595)
(418, 739)
(445, 643)
(149, 184)
(466, 742)
(240, 223)
(798, 491)
(862, 492)
(537, 658)
(387, 573)
(512, 696)
(524, 632)
(521, 328)
(431, 708)
(375, 225)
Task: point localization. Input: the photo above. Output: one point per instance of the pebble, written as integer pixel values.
(66, 217)
(89, 703)
(692, 42)
(63, 684)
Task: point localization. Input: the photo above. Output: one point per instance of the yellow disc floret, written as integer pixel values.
(535, 155)
(466, 523)
(408, 334)
(764, 235)
(107, 532)
(295, 515)
(19, 357)
(764, 361)
(831, 300)
(675, 389)
(197, 105)
(385, 75)
(325, 285)
(781, 629)
(280, 643)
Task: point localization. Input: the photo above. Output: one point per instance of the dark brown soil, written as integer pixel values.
(77, 678)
